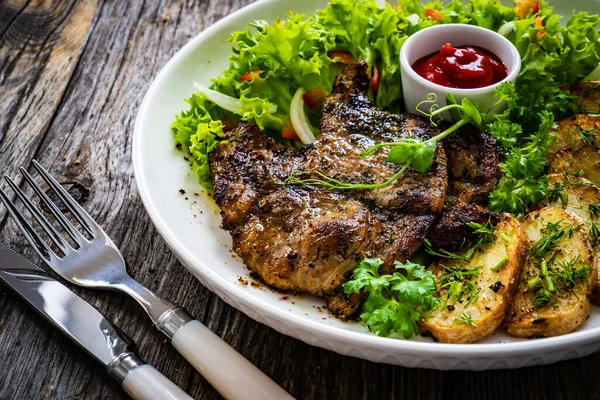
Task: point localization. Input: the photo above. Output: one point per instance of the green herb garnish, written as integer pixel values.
(395, 301)
(466, 318)
(484, 234)
(458, 284)
(553, 234)
(587, 136)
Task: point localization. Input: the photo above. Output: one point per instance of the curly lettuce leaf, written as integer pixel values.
(206, 139)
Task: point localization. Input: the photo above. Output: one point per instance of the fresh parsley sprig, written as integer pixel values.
(395, 301)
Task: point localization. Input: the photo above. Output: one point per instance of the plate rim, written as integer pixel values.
(463, 352)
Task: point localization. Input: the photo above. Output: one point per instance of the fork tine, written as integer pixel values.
(54, 235)
(32, 236)
(62, 220)
(80, 214)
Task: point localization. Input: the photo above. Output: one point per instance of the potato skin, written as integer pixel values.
(497, 288)
(567, 136)
(589, 96)
(568, 161)
(578, 199)
(571, 308)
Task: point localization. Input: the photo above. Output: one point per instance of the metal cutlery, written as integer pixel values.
(83, 324)
(96, 262)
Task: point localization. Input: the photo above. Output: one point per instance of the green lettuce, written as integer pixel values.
(293, 53)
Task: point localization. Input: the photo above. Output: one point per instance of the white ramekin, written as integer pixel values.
(430, 40)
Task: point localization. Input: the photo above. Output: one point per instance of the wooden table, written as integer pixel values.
(72, 76)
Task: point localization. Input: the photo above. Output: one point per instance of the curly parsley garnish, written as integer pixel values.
(395, 301)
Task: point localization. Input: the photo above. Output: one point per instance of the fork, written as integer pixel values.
(96, 262)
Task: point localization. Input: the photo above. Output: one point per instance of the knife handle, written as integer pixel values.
(227, 370)
(146, 383)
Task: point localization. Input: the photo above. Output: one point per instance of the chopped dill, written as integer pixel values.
(587, 136)
(458, 284)
(569, 273)
(593, 232)
(466, 318)
(484, 234)
(542, 297)
(557, 193)
(594, 209)
(553, 234)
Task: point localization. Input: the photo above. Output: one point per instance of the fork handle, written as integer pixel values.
(227, 370)
(146, 383)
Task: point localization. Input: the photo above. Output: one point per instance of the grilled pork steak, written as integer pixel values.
(452, 226)
(472, 174)
(309, 239)
(472, 164)
(306, 239)
(295, 238)
(350, 125)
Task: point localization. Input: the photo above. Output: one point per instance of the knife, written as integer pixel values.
(84, 325)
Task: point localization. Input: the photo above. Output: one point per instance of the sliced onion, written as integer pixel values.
(507, 28)
(222, 100)
(413, 19)
(594, 75)
(299, 119)
(226, 102)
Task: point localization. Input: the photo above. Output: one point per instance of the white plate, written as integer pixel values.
(191, 228)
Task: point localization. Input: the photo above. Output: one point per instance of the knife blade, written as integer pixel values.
(76, 318)
(85, 326)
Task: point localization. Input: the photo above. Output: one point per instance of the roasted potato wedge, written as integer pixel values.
(546, 303)
(481, 310)
(586, 159)
(576, 132)
(589, 96)
(580, 197)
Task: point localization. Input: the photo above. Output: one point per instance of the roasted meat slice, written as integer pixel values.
(304, 241)
(350, 125)
(452, 226)
(472, 174)
(472, 164)
(246, 168)
(300, 239)
(307, 239)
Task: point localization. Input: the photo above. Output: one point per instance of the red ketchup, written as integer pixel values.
(464, 67)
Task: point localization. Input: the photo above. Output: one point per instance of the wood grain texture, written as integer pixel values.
(72, 76)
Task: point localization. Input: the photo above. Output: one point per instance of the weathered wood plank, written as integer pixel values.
(38, 54)
(70, 91)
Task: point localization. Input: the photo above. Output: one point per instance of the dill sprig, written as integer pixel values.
(466, 318)
(542, 297)
(553, 234)
(484, 233)
(458, 284)
(327, 182)
(587, 136)
(570, 272)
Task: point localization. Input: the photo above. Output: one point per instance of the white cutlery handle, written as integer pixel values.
(146, 383)
(227, 370)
